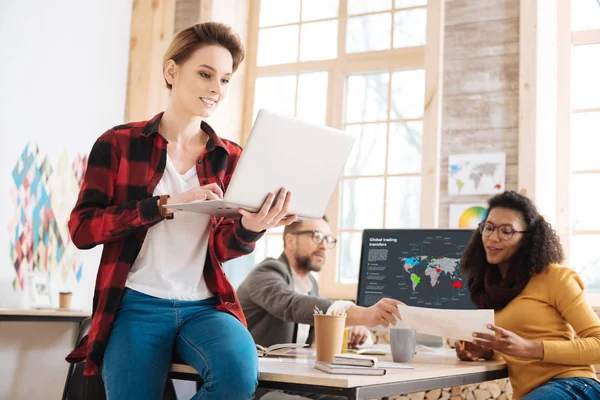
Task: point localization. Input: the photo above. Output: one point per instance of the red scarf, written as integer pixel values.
(491, 291)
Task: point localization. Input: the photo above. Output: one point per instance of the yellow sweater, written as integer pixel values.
(550, 309)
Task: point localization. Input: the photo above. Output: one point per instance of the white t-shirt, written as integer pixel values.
(171, 262)
(302, 286)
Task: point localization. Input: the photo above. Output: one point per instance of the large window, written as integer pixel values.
(381, 186)
(356, 65)
(585, 141)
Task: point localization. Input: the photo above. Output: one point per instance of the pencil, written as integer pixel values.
(462, 345)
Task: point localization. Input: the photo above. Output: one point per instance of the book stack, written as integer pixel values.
(351, 364)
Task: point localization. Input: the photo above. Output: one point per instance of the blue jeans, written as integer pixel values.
(148, 330)
(566, 388)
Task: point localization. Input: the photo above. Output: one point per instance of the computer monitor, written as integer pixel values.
(420, 267)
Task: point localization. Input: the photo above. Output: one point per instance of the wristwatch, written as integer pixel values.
(162, 201)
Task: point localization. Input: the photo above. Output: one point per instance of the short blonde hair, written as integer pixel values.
(188, 40)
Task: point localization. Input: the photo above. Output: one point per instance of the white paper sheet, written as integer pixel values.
(455, 324)
(392, 365)
(433, 350)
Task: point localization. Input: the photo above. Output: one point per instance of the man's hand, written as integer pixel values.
(384, 313)
(357, 336)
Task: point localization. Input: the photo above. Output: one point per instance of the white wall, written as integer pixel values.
(227, 120)
(63, 80)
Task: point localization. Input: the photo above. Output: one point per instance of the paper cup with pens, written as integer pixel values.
(329, 334)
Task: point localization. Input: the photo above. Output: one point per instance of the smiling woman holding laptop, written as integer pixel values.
(160, 287)
(512, 263)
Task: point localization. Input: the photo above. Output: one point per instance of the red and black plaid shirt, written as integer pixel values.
(115, 208)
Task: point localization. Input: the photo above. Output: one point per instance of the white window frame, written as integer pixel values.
(427, 57)
(565, 40)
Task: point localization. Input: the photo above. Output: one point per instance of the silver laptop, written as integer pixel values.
(287, 152)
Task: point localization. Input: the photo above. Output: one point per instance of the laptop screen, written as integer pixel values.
(420, 267)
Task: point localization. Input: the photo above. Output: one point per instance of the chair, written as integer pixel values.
(76, 370)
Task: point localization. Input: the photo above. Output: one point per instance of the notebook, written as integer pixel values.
(354, 359)
(348, 369)
(278, 350)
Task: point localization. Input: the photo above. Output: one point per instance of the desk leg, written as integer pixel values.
(359, 394)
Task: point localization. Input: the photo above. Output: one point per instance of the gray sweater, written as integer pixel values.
(273, 307)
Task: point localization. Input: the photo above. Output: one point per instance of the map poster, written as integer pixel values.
(467, 216)
(431, 272)
(476, 173)
(419, 267)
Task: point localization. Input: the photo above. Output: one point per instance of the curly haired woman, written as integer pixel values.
(512, 262)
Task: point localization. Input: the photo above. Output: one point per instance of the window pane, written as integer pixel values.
(585, 260)
(312, 97)
(267, 246)
(409, 3)
(349, 256)
(369, 33)
(585, 141)
(368, 153)
(585, 192)
(367, 97)
(273, 245)
(365, 6)
(410, 28)
(362, 203)
(259, 252)
(585, 76)
(318, 41)
(408, 94)
(585, 14)
(275, 92)
(403, 204)
(279, 12)
(278, 229)
(405, 148)
(319, 9)
(278, 45)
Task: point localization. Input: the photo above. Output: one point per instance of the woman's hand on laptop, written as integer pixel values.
(208, 192)
(271, 215)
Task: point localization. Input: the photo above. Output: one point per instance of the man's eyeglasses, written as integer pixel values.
(318, 238)
(505, 232)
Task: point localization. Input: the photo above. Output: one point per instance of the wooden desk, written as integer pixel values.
(52, 315)
(430, 372)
